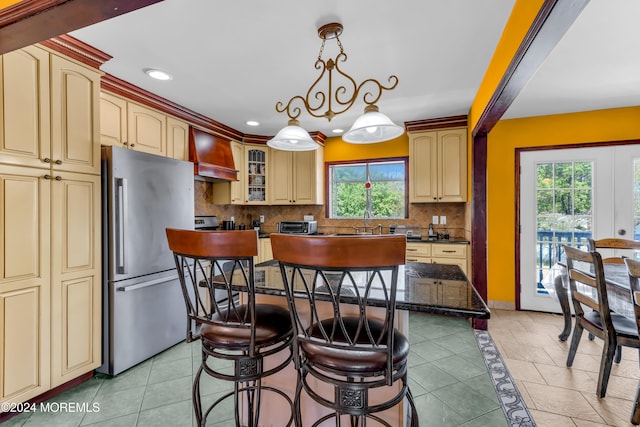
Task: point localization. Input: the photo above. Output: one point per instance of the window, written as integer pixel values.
(385, 199)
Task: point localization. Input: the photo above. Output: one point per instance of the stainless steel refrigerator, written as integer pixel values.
(143, 307)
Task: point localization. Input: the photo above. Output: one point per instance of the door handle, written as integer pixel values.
(121, 220)
(147, 284)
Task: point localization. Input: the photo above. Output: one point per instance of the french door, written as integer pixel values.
(566, 197)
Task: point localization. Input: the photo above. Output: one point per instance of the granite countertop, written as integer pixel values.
(423, 287)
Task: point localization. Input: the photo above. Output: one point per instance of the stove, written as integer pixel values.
(207, 222)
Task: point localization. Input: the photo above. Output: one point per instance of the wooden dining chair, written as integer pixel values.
(616, 244)
(588, 289)
(613, 243)
(231, 333)
(340, 340)
(634, 285)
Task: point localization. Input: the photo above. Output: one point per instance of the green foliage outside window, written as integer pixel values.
(349, 195)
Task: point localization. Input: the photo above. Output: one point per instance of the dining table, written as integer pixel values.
(616, 277)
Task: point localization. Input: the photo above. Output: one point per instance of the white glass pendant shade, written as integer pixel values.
(372, 127)
(293, 138)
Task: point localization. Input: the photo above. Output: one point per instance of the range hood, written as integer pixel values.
(211, 156)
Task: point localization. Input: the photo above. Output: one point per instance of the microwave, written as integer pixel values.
(298, 227)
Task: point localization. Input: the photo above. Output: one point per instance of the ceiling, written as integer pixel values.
(595, 66)
(232, 61)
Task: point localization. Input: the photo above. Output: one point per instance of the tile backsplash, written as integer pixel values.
(420, 214)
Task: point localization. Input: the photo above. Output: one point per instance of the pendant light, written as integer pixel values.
(293, 138)
(372, 127)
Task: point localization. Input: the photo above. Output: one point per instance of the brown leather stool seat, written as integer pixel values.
(272, 323)
(347, 360)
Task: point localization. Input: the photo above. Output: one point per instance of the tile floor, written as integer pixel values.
(556, 395)
(448, 379)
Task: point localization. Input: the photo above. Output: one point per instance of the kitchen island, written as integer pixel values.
(440, 289)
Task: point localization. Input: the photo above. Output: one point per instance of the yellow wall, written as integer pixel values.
(335, 149)
(7, 3)
(594, 126)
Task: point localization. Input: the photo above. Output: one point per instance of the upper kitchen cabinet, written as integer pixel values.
(113, 120)
(296, 177)
(75, 117)
(127, 124)
(25, 122)
(147, 129)
(438, 166)
(177, 139)
(233, 192)
(256, 161)
(49, 112)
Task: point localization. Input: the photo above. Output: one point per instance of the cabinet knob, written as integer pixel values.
(132, 145)
(58, 162)
(47, 177)
(47, 160)
(58, 178)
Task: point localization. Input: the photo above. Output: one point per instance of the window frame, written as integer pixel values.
(327, 184)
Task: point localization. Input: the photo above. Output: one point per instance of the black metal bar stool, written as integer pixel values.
(244, 334)
(349, 349)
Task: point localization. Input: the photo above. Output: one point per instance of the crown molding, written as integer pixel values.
(78, 50)
(438, 123)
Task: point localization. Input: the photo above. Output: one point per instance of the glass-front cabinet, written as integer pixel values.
(256, 158)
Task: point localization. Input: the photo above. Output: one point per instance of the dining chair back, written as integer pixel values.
(588, 289)
(242, 333)
(634, 284)
(614, 243)
(339, 338)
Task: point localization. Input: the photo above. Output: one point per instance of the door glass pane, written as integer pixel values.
(564, 197)
(636, 199)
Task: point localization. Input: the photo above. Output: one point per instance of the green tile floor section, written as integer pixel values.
(448, 379)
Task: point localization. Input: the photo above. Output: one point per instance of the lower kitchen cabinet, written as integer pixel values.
(76, 280)
(265, 253)
(50, 299)
(438, 253)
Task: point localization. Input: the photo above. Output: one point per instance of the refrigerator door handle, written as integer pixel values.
(121, 220)
(147, 284)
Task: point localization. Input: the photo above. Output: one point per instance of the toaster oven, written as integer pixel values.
(298, 227)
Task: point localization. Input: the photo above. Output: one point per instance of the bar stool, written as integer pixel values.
(346, 346)
(243, 334)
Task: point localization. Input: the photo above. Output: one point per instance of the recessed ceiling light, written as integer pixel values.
(252, 123)
(157, 74)
(338, 131)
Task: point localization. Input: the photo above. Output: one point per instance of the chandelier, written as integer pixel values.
(371, 127)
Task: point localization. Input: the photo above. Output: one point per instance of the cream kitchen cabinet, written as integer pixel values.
(49, 112)
(50, 299)
(265, 253)
(256, 176)
(25, 283)
(177, 139)
(127, 124)
(438, 253)
(113, 120)
(438, 166)
(296, 177)
(146, 129)
(234, 192)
